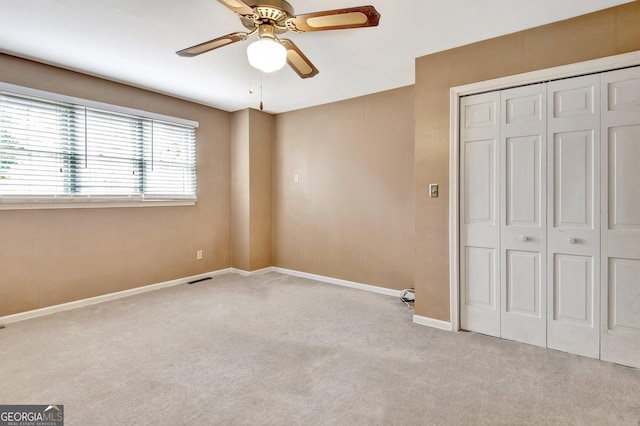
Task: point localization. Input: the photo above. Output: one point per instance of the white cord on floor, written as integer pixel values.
(408, 296)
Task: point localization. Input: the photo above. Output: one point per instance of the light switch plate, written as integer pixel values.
(433, 190)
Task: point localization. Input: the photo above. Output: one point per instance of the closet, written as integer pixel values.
(550, 215)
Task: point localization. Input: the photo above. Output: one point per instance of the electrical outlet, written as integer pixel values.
(199, 255)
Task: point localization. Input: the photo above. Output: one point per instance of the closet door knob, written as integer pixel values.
(523, 238)
(571, 240)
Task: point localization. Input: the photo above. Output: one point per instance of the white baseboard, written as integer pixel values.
(105, 298)
(433, 323)
(244, 273)
(144, 289)
(336, 281)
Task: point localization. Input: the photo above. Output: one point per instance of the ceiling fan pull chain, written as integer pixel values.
(261, 105)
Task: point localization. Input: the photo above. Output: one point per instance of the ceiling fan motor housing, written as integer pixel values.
(267, 31)
(273, 12)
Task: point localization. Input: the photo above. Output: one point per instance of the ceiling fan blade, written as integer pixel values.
(353, 17)
(238, 6)
(212, 44)
(298, 61)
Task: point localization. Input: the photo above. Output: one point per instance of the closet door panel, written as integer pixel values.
(523, 236)
(523, 181)
(621, 217)
(480, 214)
(573, 289)
(624, 294)
(480, 273)
(573, 179)
(573, 233)
(624, 175)
(523, 278)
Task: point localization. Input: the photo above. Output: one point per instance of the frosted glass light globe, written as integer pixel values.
(267, 55)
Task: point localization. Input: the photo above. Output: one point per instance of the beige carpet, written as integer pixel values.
(279, 350)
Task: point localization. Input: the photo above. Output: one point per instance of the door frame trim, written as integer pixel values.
(455, 93)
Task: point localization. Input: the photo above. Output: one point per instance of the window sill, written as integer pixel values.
(48, 203)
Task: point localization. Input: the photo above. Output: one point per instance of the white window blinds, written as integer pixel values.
(57, 150)
(170, 164)
(35, 145)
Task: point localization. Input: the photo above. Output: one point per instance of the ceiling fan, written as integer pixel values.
(269, 18)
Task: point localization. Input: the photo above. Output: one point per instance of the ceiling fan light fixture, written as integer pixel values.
(270, 18)
(267, 55)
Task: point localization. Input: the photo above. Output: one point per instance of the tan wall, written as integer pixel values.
(49, 257)
(262, 135)
(351, 214)
(252, 135)
(240, 196)
(609, 32)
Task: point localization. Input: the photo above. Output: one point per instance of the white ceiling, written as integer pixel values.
(134, 42)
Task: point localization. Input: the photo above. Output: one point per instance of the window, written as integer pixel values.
(54, 151)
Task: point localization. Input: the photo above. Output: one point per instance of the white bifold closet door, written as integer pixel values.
(503, 214)
(621, 217)
(523, 223)
(573, 215)
(550, 215)
(480, 213)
